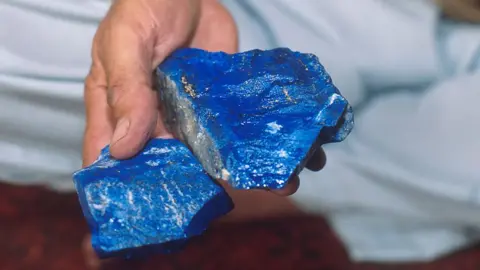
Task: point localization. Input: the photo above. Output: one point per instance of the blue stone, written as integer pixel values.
(150, 203)
(251, 118)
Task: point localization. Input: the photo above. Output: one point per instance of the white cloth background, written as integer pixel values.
(44, 58)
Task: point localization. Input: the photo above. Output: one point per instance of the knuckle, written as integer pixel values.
(89, 82)
(94, 78)
(127, 90)
(115, 92)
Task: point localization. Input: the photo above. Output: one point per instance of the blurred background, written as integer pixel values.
(402, 192)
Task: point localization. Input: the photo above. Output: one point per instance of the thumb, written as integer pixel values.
(136, 116)
(127, 60)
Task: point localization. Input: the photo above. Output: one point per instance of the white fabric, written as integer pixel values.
(405, 184)
(44, 57)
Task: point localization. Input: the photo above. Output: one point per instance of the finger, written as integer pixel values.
(127, 59)
(291, 187)
(160, 129)
(317, 161)
(98, 129)
(216, 30)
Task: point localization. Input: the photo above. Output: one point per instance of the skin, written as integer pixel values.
(121, 108)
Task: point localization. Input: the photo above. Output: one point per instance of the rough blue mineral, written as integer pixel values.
(252, 118)
(152, 202)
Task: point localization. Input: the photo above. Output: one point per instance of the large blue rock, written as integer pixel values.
(152, 202)
(252, 118)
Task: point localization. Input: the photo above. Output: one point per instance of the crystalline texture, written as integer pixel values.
(252, 118)
(152, 202)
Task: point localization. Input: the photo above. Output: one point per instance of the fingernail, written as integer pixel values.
(121, 130)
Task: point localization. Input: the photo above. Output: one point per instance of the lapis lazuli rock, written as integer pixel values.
(252, 118)
(150, 203)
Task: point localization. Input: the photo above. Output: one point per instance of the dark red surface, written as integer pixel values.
(43, 230)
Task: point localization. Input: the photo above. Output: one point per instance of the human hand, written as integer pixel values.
(134, 37)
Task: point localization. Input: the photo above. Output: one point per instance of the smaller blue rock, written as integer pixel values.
(150, 203)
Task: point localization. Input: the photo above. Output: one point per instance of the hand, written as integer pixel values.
(134, 37)
(315, 163)
(121, 108)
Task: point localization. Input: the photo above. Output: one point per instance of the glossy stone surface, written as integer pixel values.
(252, 118)
(152, 202)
